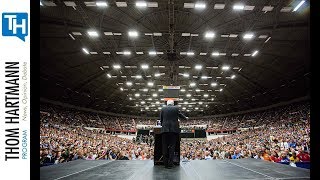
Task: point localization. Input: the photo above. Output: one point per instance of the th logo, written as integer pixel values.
(15, 24)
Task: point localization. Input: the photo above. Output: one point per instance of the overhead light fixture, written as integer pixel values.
(205, 95)
(150, 83)
(101, 4)
(185, 75)
(129, 83)
(198, 67)
(41, 3)
(154, 95)
(248, 36)
(200, 102)
(214, 84)
(183, 90)
(133, 33)
(121, 89)
(225, 68)
(192, 84)
(209, 35)
(144, 66)
(215, 54)
(184, 108)
(145, 90)
(190, 53)
(138, 76)
(93, 33)
(137, 95)
(85, 50)
(152, 53)
(157, 74)
(130, 98)
(233, 76)
(204, 77)
(116, 66)
(220, 89)
(298, 6)
(157, 102)
(197, 90)
(143, 102)
(109, 75)
(200, 6)
(254, 53)
(267, 39)
(141, 4)
(126, 52)
(238, 7)
(188, 95)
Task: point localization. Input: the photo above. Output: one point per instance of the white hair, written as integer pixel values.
(170, 102)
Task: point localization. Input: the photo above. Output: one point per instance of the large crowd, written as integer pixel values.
(282, 134)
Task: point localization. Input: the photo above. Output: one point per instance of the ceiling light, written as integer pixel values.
(41, 3)
(109, 75)
(144, 66)
(238, 7)
(130, 98)
(160, 90)
(133, 33)
(72, 37)
(184, 108)
(188, 95)
(150, 83)
(190, 53)
(185, 75)
(185, 102)
(188, 110)
(116, 66)
(145, 90)
(121, 89)
(233, 76)
(196, 108)
(182, 90)
(101, 4)
(200, 5)
(141, 4)
(152, 52)
(204, 77)
(200, 102)
(137, 95)
(192, 100)
(198, 67)
(192, 84)
(126, 52)
(254, 53)
(197, 90)
(142, 102)
(138, 76)
(154, 95)
(205, 95)
(157, 102)
(93, 33)
(129, 83)
(157, 74)
(298, 6)
(209, 35)
(248, 36)
(220, 89)
(215, 54)
(267, 39)
(214, 84)
(225, 68)
(85, 50)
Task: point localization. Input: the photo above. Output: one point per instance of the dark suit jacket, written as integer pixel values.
(169, 119)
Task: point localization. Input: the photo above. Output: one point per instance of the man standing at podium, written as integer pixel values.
(170, 130)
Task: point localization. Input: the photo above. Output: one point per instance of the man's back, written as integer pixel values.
(169, 119)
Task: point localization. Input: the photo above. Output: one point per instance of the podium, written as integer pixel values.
(158, 159)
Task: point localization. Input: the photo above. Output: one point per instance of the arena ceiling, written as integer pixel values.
(226, 55)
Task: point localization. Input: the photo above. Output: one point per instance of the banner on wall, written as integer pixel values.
(15, 89)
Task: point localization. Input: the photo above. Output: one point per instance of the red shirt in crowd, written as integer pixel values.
(304, 156)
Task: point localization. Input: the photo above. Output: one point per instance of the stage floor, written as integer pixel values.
(239, 169)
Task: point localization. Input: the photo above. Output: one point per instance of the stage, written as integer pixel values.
(239, 169)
